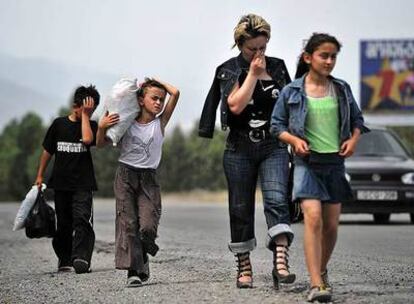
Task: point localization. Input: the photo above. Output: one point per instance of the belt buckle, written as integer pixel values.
(257, 135)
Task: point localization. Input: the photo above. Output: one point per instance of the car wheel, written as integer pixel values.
(412, 218)
(381, 218)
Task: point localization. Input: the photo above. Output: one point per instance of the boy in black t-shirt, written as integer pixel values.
(69, 138)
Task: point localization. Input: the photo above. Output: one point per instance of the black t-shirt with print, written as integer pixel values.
(73, 167)
(257, 114)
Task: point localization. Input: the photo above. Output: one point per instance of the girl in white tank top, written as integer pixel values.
(138, 202)
(141, 145)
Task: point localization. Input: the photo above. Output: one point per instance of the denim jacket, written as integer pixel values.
(289, 113)
(226, 75)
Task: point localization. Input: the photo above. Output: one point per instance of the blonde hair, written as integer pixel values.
(250, 26)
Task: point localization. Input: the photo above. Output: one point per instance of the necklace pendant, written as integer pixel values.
(275, 93)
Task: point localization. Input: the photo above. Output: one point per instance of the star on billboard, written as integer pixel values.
(387, 76)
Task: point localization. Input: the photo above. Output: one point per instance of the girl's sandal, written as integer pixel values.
(244, 269)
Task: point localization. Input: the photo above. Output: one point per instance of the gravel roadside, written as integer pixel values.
(194, 265)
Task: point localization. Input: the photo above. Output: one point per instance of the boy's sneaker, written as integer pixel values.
(325, 280)
(64, 269)
(144, 276)
(81, 266)
(64, 266)
(320, 294)
(133, 279)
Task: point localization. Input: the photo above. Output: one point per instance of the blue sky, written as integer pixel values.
(180, 41)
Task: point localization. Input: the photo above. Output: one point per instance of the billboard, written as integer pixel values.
(387, 76)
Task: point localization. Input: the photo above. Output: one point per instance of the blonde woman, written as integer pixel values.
(248, 86)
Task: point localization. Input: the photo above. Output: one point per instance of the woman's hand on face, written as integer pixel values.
(258, 64)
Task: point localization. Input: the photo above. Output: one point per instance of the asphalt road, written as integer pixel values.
(371, 263)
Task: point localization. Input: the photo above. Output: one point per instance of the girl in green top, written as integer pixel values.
(317, 115)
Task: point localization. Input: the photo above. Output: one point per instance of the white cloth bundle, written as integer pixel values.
(121, 100)
(25, 207)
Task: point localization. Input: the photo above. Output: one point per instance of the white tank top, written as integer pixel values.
(141, 145)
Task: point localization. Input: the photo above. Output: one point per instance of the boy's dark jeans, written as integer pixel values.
(74, 237)
(244, 163)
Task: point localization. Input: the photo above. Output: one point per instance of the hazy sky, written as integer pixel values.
(182, 41)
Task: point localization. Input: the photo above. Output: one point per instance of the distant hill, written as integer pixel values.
(16, 100)
(42, 86)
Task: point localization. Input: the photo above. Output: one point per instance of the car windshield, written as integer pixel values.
(379, 143)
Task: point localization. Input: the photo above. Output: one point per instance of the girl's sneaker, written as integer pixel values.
(320, 294)
(325, 280)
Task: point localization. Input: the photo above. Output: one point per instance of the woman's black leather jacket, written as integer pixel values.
(225, 77)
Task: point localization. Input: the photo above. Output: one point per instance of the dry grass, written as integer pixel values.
(202, 196)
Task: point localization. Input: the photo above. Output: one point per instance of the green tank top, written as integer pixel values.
(322, 124)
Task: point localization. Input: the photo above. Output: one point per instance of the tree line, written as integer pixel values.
(188, 162)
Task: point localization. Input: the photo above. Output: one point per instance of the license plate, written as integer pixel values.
(377, 195)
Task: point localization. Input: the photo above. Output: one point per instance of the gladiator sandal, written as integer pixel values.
(244, 269)
(281, 262)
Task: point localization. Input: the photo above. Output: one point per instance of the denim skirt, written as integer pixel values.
(322, 177)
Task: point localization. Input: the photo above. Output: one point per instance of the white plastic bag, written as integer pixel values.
(121, 100)
(25, 207)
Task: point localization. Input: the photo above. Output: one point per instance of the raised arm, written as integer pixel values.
(87, 109)
(171, 103)
(241, 96)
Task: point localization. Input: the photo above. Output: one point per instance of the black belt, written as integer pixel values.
(323, 158)
(254, 135)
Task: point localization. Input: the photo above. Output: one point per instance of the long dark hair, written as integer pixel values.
(316, 40)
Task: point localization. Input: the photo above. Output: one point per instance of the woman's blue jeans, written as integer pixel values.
(244, 164)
